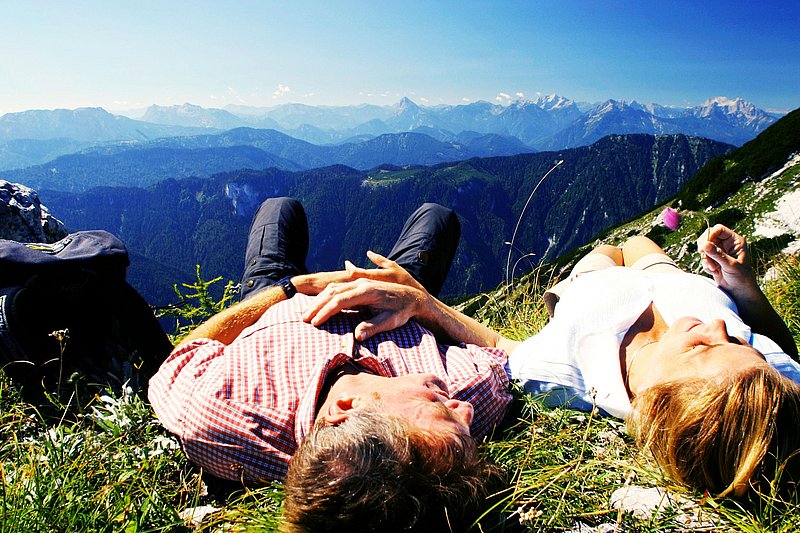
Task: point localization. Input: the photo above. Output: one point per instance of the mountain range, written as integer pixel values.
(174, 224)
(37, 137)
(549, 122)
(139, 164)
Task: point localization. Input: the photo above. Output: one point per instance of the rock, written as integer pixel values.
(648, 503)
(23, 218)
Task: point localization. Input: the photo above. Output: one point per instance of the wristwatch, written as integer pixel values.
(288, 287)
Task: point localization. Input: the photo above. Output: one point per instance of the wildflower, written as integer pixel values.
(160, 445)
(115, 411)
(670, 218)
(61, 335)
(529, 515)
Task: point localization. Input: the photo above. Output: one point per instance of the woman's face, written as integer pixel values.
(691, 349)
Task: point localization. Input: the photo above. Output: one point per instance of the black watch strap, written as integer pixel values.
(288, 287)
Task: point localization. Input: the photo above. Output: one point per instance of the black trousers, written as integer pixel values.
(277, 245)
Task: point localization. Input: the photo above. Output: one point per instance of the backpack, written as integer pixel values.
(66, 308)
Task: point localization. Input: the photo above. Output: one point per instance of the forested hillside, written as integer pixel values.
(176, 224)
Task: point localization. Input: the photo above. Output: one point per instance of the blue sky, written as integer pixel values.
(126, 54)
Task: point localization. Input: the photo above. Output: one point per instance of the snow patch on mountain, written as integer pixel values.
(553, 101)
(786, 216)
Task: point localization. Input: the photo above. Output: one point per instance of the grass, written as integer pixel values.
(110, 467)
(106, 464)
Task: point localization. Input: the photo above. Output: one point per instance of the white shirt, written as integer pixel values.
(576, 355)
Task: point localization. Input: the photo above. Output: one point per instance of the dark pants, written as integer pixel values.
(277, 245)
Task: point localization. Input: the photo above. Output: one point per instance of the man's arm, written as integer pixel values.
(443, 319)
(226, 325)
(726, 258)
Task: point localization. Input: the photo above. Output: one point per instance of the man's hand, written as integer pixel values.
(392, 304)
(394, 299)
(726, 258)
(313, 284)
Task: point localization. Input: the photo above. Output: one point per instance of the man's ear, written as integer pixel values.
(339, 409)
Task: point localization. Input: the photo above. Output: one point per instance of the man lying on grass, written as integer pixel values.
(390, 419)
(703, 370)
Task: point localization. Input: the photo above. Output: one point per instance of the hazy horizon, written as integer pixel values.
(137, 113)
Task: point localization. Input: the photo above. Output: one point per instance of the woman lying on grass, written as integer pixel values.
(701, 369)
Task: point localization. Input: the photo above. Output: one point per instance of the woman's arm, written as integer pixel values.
(726, 258)
(393, 305)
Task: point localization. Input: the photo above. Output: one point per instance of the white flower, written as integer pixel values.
(195, 515)
(162, 444)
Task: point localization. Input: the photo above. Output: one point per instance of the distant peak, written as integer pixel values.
(610, 105)
(406, 103)
(732, 105)
(553, 101)
(176, 107)
(728, 106)
(93, 110)
(722, 101)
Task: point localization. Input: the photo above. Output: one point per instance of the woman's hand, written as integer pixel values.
(388, 271)
(726, 258)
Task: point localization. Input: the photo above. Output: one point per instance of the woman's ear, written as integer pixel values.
(339, 410)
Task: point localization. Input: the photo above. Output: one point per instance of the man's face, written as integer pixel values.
(423, 401)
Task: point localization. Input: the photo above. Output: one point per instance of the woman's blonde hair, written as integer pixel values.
(730, 436)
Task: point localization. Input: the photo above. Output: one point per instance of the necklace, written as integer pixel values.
(636, 353)
(629, 365)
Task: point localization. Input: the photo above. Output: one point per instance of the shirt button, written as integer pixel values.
(253, 262)
(250, 282)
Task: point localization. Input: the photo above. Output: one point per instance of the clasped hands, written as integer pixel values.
(389, 292)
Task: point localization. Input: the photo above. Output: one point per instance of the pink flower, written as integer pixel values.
(671, 218)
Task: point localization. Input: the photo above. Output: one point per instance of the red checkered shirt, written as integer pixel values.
(241, 409)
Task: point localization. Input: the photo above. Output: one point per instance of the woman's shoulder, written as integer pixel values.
(777, 358)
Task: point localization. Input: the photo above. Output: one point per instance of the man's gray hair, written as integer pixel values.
(375, 471)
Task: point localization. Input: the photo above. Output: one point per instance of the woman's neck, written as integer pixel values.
(647, 329)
